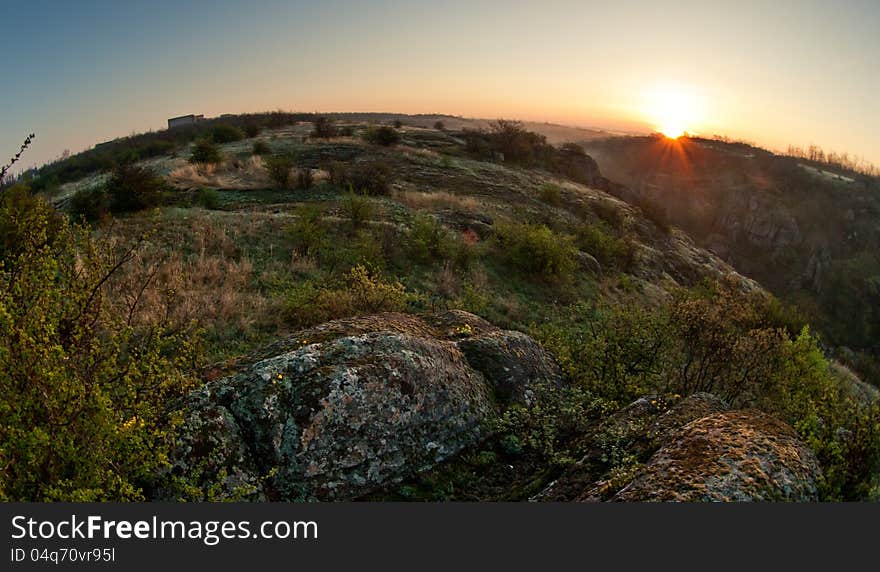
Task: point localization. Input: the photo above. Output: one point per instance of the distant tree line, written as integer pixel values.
(842, 161)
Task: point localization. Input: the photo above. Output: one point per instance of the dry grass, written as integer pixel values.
(230, 174)
(419, 200)
(205, 280)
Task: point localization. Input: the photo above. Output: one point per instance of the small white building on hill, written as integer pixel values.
(184, 120)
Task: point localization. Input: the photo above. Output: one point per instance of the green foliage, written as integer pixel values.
(133, 188)
(205, 152)
(382, 135)
(308, 234)
(86, 397)
(655, 213)
(358, 209)
(555, 416)
(260, 148)
(719, 339)
(90, 205)
(324, 128)
(224, 133)
(251, 130)
(428, 240)
(608, 249)
(550, 194)
(367, 177)
(358, 292)
(536, 250)
(207, 199)
(439, 126)
(21, 211)
(279, 166)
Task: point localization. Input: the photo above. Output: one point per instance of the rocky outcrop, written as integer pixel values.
(695, 450)
(733, 456)
(349, 406)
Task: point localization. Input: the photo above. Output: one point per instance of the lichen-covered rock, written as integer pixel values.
(510, 362)
(376, 399)
(734, 456)
(641, 427)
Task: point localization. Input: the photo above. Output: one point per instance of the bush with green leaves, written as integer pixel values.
(359, 209)
(87, 398)
(90, 205)
(279, 167)
(428, 240)
(719, 339)
(536, 250)
(207, 199)
(225, 133)
(205, 152)
(324, 128)
(366, 177)
(133, 188)
(551, 194)
(251, 130)
(260, 148)
(598, 240)
(308, 234)
(383, 135)
(360, 291)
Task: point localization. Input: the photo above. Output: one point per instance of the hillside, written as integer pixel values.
(377, 312)
(807, 231)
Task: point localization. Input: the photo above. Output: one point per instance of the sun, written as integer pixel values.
(673, 111)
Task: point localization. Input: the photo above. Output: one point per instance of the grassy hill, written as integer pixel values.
(228, 237)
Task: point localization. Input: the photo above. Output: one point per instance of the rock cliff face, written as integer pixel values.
(355, 404)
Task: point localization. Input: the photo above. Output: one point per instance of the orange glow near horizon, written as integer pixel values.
(673, 111)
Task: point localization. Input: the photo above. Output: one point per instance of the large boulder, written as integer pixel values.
(353, 405)
(733, 456)
(642, 428)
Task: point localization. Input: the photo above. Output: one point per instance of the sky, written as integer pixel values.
(776, 73)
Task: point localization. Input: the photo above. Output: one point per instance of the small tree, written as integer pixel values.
(383, 135)
(439, 126)
(224, 133)
(279, 167)
(205, 152)
(133, 188)
(324, 128)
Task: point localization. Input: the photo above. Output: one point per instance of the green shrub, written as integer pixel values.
(89, 401)
(368, 177)
(207, 199)
(359, 292)
(224, 133)
(132, 188)
(439, 126)
(382, 135)
(716, 338)
(607, 248)
(90, 205)
(551, 194)
(655, 213)
(428, 240)
(279, 166)
(205, 152)
(358, 209)
(260, 148)
(536, 250)
(324, 128)
(252, 130)
(308, 234)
